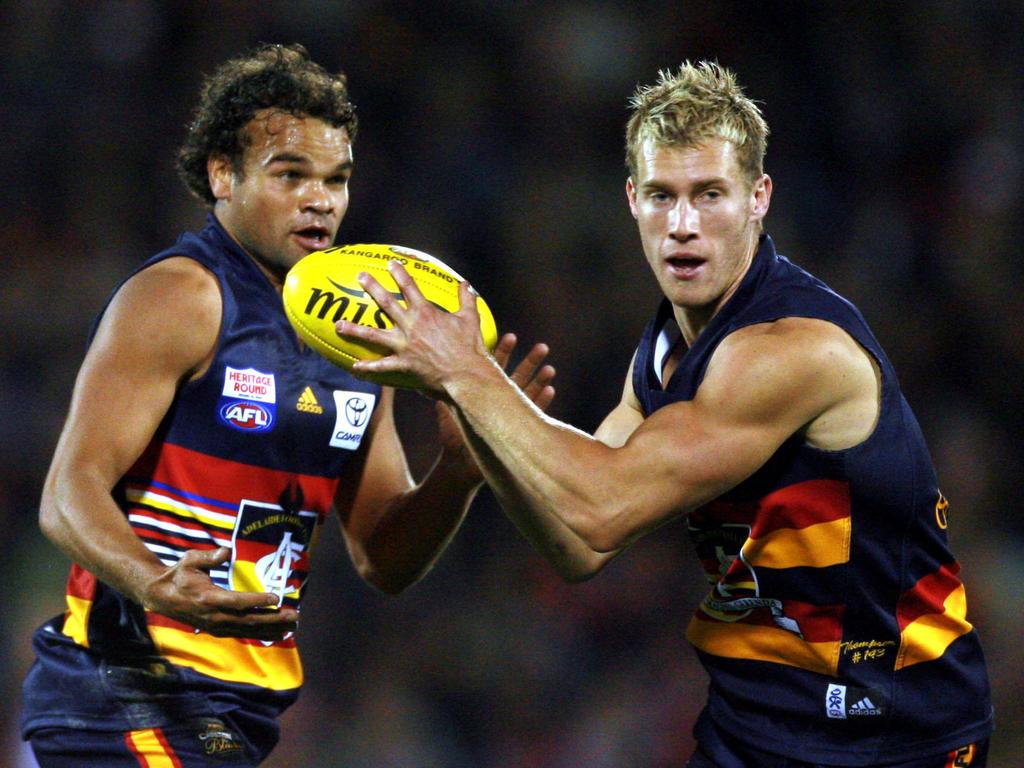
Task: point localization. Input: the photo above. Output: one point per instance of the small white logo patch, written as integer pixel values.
(249, 384)
(835, 701)
(354, 410)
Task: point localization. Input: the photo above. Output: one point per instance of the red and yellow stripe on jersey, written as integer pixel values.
(806, 525)
(171, 516)
(931, 614)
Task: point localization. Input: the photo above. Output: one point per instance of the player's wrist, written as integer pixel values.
(149, 592)
(151, 584)
(467, 383)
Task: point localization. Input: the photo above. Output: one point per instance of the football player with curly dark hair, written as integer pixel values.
(282, 78)
(205, 447)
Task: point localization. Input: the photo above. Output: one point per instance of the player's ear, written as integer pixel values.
(631, 195)
(220, 171)
(761, 194)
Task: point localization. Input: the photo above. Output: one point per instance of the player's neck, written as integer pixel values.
(692, 322)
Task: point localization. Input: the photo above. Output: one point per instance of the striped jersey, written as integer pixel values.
(247, 457)
(835, 626)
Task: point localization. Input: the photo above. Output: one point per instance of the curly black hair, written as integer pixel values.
(272, 76)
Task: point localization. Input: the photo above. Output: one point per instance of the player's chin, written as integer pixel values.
(688, 295)
(691, 299)
(292, 254)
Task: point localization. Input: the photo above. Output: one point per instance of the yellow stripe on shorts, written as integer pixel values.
(151, 749)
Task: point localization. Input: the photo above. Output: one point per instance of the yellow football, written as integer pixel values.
(322, 289)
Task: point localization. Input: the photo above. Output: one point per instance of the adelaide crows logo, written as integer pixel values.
(270, 549)
(736, 592)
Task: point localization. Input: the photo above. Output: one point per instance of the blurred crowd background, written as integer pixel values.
(491, 135)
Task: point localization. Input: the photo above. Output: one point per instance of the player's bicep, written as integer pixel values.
(375, 476)
(756, 394)
(160, 328)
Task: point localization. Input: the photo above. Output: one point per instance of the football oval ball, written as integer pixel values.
(321, 289)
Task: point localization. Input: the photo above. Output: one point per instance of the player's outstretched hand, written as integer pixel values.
(531, 375)
(184, 592)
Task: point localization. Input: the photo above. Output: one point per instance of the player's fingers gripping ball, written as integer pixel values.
(323, 288)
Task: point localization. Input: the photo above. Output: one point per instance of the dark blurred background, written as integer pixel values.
(491, 135)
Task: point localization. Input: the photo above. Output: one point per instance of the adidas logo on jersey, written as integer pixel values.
(308, 403)
(864, 707)
(837, 697)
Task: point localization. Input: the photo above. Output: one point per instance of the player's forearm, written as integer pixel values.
(567, 553)
(548, 473)
(417, 526)
(86, 525)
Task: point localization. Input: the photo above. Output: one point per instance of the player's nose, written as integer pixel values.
(683, 219)
(317, 197)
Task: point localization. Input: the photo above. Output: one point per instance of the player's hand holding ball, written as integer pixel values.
(425, 344)
(323, 291)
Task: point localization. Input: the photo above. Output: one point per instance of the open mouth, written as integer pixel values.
(684, 267)
(313, 238)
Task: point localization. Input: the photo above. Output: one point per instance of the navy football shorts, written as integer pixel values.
(202, 742)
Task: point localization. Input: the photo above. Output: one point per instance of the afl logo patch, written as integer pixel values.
(247, 416)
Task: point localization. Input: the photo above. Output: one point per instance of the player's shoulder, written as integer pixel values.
(172, 283)
(172, 303)
(793, 353)
(177, 270)
(790, 337)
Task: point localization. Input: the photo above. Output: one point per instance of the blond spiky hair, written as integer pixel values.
(699, 102)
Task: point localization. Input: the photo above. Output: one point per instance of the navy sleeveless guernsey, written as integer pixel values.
(835, 628)
(247, 457)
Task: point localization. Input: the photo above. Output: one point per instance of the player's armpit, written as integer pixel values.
(623, 420)
(377, 474)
